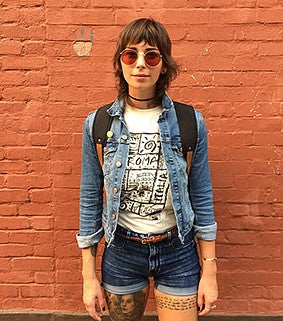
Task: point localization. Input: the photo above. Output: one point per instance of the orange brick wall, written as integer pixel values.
(230, 53)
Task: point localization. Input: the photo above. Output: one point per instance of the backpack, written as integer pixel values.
(187, 126)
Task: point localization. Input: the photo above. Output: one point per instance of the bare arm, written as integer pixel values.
(92, 292)
(208, 290)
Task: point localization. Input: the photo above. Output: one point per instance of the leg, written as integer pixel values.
(177, 308)
(127, 307)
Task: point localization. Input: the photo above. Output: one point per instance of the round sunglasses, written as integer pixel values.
(130, 56)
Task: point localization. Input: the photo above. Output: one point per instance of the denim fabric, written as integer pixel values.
(127, 265)
(193, 207)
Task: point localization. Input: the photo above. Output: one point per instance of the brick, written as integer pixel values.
(36, 291)
(9, 47)
(42, 223)
(41, 195)
(8, 209)
(14, 223)
(28, 154)
(14, 277)
(76, 16)
(270, 49)
(270, 15)
(69, 3)
(24, 3)
(11, 107)
(9, 15)
(232, 16)
(65, 196)
(196, 16)
(31, 181)
(12, 78)
(25, 93)
(39, 139)
(255, 32)
(44, 277)
(15, 195)
(17, 250)
(32, 264)
(16, 167)
(23, 63)
(61, 167)
(35, 209)
(32, 48)
(32, 16)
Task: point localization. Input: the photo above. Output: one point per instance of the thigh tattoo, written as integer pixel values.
(126, 307)
(176, 303)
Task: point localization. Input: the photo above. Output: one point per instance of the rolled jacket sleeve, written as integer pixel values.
(91, 190)
(201, 194)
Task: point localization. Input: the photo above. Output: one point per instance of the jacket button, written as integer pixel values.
(113, 216)
(109, 134)
(118, 164)
(115, 190)
(124, 137)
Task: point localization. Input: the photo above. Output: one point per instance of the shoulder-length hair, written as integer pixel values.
(152, 32)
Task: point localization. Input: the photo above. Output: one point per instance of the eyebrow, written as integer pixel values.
(147, 49)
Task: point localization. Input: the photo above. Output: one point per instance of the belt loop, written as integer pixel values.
(169, 235)
(129, 234)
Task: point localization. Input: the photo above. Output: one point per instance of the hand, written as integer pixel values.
(93, 298)
(207, 294)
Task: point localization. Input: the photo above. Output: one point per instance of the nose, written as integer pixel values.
(140, 61)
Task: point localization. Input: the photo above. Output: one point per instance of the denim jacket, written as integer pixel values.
(193, 206)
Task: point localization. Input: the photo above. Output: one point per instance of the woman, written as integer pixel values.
(150, 218)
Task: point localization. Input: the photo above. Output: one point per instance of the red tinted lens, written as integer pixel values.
(152, 58)
(129, 57)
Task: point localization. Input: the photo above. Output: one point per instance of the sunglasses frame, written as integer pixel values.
(144, 54)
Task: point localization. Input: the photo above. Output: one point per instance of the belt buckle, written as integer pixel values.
(147, 240)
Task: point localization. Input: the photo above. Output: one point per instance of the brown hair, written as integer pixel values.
(153, 33)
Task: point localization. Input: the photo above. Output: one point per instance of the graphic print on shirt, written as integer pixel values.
(145, 183)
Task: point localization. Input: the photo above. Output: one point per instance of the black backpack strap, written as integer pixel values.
(187, 126)
(188, 130)
(101, 125)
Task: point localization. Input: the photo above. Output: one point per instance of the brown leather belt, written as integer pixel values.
(152, 238)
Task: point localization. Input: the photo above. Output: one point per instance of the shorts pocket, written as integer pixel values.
(177, 245)
(118, 242)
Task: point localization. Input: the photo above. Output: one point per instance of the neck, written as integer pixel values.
(140, 99)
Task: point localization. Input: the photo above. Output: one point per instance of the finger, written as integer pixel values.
(207, 309)
(101, 303)
(200, 302)
(94, 314)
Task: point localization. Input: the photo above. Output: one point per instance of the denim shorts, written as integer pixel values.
(174, 267)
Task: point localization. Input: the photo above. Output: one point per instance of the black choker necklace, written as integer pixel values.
(139, 99)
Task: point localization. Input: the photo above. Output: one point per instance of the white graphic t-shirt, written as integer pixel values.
(146, 205)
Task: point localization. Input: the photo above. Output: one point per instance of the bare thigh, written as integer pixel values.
(177, 308)
(127, 307)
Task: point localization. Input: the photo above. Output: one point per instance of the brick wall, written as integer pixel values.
(230, 53)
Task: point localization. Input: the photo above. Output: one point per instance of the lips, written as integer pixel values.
(140, 76)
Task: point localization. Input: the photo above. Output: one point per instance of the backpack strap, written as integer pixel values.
(187, 126)
(101, 125)
(188, 130)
